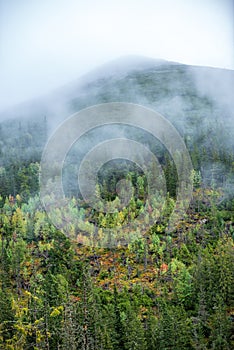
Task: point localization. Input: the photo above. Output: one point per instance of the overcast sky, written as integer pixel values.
(47, 43)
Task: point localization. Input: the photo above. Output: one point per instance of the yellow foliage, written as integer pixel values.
(38, 321)
(18, 198)
(56, 311)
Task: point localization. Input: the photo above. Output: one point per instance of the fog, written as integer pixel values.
(58, 57)
(46, 44)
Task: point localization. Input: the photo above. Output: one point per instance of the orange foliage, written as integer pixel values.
(164, 267)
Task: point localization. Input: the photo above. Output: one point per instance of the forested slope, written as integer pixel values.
(162, 290)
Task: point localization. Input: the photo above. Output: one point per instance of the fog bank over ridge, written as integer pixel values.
(123, 80)
(196, 100)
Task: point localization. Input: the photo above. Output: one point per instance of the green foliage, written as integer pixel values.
(163, 291)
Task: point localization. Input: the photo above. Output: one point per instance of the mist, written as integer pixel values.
(50, 43)
(61, 57)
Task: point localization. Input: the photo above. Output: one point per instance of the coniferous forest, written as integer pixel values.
(160, 291)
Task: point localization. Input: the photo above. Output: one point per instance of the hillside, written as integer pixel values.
(65, 285)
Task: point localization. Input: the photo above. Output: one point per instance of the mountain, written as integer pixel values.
(75, 276)
(198, 101)
(178, 91)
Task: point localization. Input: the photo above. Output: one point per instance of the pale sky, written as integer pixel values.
(47, 43)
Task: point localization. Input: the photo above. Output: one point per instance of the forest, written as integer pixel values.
(163, 290)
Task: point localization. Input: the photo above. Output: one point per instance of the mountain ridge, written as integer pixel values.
(119, 68)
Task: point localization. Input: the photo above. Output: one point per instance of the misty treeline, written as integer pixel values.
(22, 143)
(160, 290)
